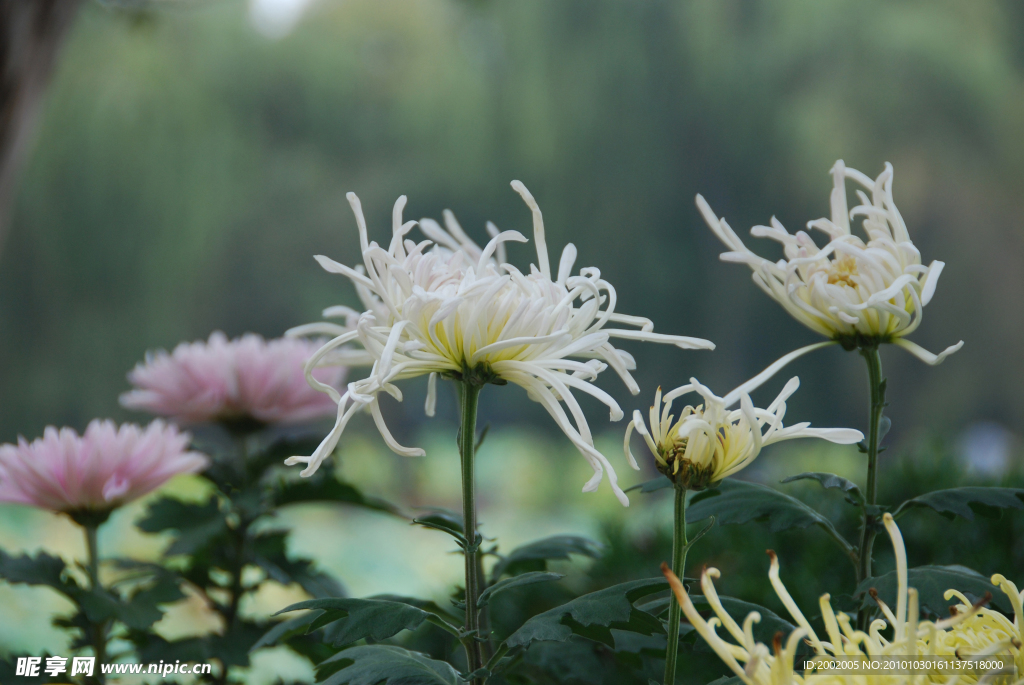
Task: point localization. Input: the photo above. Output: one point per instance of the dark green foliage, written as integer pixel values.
(736, 501)
(220, 539)
(764, 630)
(593, 615)
(385, 665)
(931, 583)
(832, 481)
(325, 490)
(445, 521)
(967, 501)
(533, 556)
(134, 601)
(349, 620)
(528, 578)
(653, 485)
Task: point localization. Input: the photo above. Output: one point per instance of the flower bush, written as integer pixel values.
(448, 309)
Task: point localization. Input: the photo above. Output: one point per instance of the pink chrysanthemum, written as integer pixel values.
(224, 380)
(102, 469)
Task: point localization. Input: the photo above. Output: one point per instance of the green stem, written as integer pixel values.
(239, 539)
(868, 522)
(98, 631)
(469, 397)
(680, 546)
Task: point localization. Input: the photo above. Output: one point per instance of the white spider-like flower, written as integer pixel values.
(444, 306)
(711, 441)
(850, 291)
(972, 631)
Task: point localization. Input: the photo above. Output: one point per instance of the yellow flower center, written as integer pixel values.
(696, 472)
(843, 270)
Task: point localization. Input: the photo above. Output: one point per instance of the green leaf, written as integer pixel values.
(764, 630)
(139, 611)
(43, 569)
(659, 483)
(574, 662)
(594, 615)
(515, 581)
(445, 521)
(329, 490)
(426, 605)
(8, 669)
(831, 480)
(727, 680)
(285, 630)
(349, 620)
(168, 513)
(931, 583)
(198, 525)
(884, 424)
(385, 665)
(146, 586)
(737, 501)
(967, 501)
(533, 556)
(269, 553)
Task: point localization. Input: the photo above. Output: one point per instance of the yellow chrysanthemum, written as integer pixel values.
(971, 631)
(711, 441)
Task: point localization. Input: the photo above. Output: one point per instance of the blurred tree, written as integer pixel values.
(31, 35)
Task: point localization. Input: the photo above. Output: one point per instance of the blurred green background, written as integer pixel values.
(192, 157)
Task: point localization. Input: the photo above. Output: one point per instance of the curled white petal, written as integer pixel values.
(851, 288)
(445, 307)
(926, 356)
(705, 443)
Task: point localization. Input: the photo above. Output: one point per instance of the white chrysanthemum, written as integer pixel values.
(848, 291)
(444, 306)
(711, 441)
(755, 664)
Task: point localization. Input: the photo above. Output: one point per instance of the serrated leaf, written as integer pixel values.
(830, 480)
(516, 581)
(168, 513)
(386, 665)
(269, 553)
(764, 630)
(659, 483)
(967, 501)
(931, 583)
(348, 620)
(593, 615)
(427, 605)
(533, 556)
(198, 525)
(736, 501)
(573, 662)
(327, 490)
(42, 569)
(285, 630)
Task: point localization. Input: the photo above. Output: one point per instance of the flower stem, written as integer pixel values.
(470, 396)
(869, 521)
(680, 546)
(238, 551)
(98, 631)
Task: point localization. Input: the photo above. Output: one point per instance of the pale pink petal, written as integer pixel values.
(102, 469)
